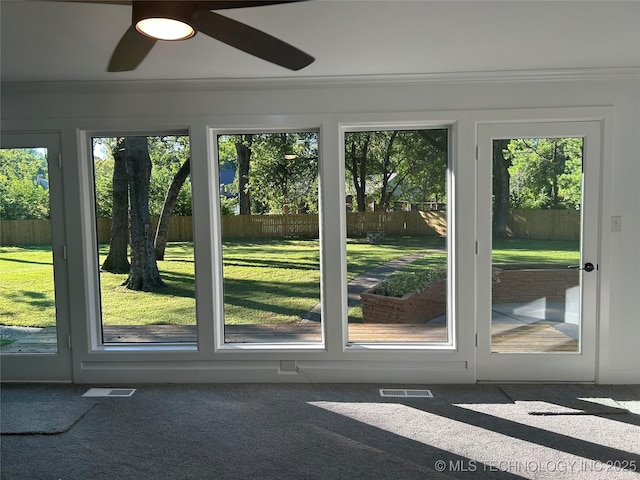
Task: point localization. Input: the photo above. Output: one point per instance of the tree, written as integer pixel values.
(501, 188)
(143, 274)
(284, 173)
(357, 163)
(396, 165)
(117, 260)
(388, 169)
(168, 154)
(535, 173)
(274, 172)
(162, 231)
(24, 189)
(243, 150)
(429, 183)
(546, 172)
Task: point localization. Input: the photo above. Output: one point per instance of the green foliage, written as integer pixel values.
(283, 175)
(24, 192)
(401, 283)
(227, 157)
(167, 154)
(228, 205)
(103, 175)
(545, 173)
(391, 166)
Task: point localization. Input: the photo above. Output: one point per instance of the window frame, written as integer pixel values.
(96, 341)
(220, 346)
(452, 325)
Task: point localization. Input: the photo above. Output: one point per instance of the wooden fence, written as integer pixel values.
(545, 224)
(25, 232)
(538, 224)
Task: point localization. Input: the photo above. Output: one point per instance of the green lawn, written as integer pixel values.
(511, 250)
(270, 281)
(266, 281)
(173, 304)
(26, 286)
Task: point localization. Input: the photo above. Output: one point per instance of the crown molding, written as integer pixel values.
(276, 83)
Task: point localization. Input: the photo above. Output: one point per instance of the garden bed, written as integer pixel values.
(511, 283)
(415, 307)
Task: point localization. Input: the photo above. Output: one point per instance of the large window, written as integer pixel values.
(145, 242)
(396, 211)
(271, 253)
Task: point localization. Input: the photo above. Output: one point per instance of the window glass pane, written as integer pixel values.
(145, 241)
(396, 185)
(27, 297)
(271, 251)
(537, 198)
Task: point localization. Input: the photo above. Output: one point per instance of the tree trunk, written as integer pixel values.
(244, 156)
(557, 167)
(357, 165)
(170, 199)
(385, 195)
(117, 260)
(501, 186)
(144, 274)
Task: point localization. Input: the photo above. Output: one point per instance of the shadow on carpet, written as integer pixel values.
(563, 400)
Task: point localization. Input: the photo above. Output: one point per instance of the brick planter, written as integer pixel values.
(412, 308)
(511, 283)
(526, 283)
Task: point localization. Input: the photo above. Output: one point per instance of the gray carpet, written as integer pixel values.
(34, 409)
(565, 400)
(323, 432)
(45, 418)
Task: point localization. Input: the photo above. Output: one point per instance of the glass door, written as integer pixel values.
(538, 266)
(34, 314)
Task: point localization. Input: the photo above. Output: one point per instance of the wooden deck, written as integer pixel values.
(530, 338)
(278, 333)
(505, 338)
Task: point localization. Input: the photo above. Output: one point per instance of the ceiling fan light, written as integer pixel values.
(165, 28)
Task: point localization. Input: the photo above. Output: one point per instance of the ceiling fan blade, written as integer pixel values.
(250, 40)
(226, 4)
(203, 4)
(104, 2)
(130, 51)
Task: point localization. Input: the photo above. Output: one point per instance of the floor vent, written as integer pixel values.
(400, 392)
(109, 392)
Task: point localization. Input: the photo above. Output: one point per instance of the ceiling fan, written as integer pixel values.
(180, 20)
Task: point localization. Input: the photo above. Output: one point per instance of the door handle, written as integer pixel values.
(588, 267)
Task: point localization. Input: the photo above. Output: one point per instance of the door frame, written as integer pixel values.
(57, 367)
(544, 367)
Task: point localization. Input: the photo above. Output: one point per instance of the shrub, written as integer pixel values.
(401, 283)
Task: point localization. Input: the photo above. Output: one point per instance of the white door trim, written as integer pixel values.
(56, 367)
(578, 367)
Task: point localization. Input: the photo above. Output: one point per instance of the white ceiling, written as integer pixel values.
(58, 41)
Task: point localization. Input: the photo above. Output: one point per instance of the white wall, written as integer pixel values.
(462, 101)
